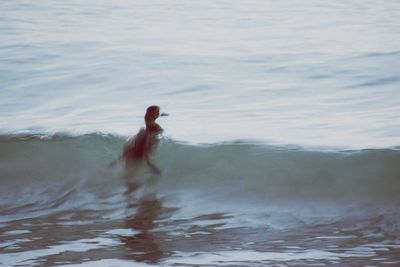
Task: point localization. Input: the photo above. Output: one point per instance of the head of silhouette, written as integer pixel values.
(152, 113)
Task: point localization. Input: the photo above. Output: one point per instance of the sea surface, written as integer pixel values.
(281, 148)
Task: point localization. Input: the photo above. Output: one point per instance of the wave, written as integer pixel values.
(44, 172)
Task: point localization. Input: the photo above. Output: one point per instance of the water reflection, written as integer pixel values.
(142, 213)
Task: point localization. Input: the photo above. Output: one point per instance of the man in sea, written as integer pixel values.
(140, 147)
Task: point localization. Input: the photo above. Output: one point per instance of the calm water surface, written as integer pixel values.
(305, 73)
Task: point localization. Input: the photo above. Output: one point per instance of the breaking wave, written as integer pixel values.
(48, 173)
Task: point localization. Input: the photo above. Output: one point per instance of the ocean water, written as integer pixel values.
(281, 148)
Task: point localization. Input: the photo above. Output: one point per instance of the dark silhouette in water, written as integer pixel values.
(146, 246)
(140, 147)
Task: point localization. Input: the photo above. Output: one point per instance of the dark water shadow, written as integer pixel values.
(146, 244)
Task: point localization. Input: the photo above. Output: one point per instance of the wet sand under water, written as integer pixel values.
(151, 236)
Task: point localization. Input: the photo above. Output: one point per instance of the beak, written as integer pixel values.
(164, 114)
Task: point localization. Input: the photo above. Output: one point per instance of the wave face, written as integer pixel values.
(42, 173)
(43, 176)
(61, 192)
(284, 172)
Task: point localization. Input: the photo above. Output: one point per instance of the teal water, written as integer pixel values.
(235, 204)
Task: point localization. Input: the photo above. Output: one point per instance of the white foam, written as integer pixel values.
(238, 256)
(81, 245)
(17, 232)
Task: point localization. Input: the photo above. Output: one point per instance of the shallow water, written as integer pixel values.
(230, 204)
(281, 148)
(155, 238)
